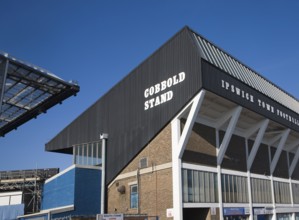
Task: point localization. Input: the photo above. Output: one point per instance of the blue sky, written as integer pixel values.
(98, 42)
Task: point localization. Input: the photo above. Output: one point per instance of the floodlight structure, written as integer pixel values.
(27, 90)
(29, 183)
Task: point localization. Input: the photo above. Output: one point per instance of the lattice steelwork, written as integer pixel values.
(27, 91)
(30, 182)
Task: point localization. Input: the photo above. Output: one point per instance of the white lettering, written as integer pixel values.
(165, 97)
(163, 85)
(157, 88)
(169, 82)
(160, 87)
(182, 76)
(146, 93)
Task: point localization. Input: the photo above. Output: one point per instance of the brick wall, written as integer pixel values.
(155, 180)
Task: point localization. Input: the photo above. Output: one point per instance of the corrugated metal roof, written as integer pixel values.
(232, 66)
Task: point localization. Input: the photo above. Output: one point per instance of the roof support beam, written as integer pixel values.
(294, 163)
(292, 145)
(249, 132)
(234, 115)
(281, 144)
(179, 141)
(3, 75)
(276, 138)
(225, 118)
(263, 126)
(197, 101)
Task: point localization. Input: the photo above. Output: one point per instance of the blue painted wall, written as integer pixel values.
(60, 191)
(88, 191)
(80, 187)
(10, 212)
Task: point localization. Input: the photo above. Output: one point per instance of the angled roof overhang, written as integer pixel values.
(27, 91)
(233, 67)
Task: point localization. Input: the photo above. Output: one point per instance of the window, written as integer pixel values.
(199, 186)
(143, 163)
(234, 189)
(261, 191)
(134, 197)
(295, 188)
(282, 192)
(87, 154)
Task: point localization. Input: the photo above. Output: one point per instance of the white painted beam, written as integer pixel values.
(281, 144)
(176, 171)
(197, 101)
(228, 134)
(179, 142)
(293, 145)
(276, 138)
(249, 132)
(220, 122)
(257, 142)
(294, 163)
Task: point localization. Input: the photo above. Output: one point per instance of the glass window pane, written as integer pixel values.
(134, 197)
(196, 186)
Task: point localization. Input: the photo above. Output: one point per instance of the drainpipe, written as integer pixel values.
(104, 138)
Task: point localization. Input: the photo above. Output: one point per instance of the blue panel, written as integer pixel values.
(233, 211)
(10, 212)
(38, 217)
(60, 191)
(88, 191)
(80, 187)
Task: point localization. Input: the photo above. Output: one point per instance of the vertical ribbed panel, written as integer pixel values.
(122, 113)
(233, 67)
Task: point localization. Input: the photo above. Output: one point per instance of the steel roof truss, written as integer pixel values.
(220, 122)
(292, 146)
(234, 114)
(249, 132)
(263, 126)
(294, 163)
(3, 74)
(197, 101)
(280, 146)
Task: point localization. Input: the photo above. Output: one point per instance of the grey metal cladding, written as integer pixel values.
(122, 111)
(232, 66)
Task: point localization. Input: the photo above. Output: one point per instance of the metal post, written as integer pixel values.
(104, 138)
(3, 75)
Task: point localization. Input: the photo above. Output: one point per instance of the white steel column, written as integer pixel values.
(257, 142)
(219, 179)
(228, 134)
(179, 142)
(294, 163)
(233, 115)
(249, 183)
(279, 150)
(273, 198)
(261, 128)
(104, 138)
(197, 101)
(177, 191)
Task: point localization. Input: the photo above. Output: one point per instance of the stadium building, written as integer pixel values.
(193, 133)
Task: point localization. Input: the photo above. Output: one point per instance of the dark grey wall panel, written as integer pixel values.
(235, 153)
(261, 164)
(123, 113)
(282, 168)
(221, 83)
(201, 147)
